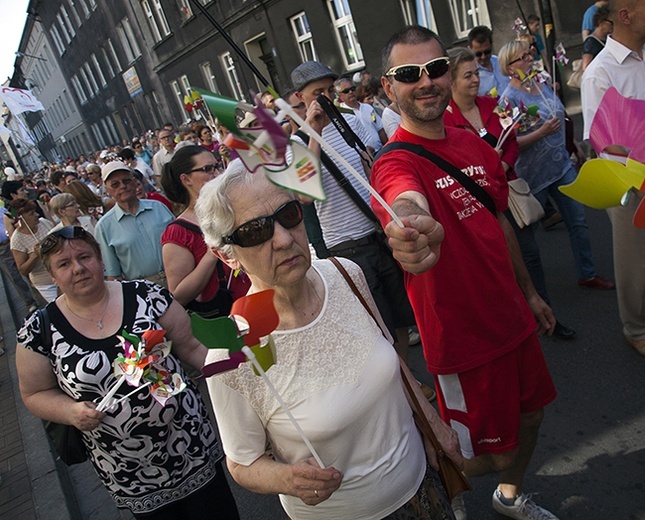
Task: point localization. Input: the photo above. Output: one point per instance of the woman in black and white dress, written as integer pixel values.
(158, 461)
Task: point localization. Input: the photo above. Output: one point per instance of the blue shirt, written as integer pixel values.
(587, 19)
(546, 160)
(489, 79)
(131, 244)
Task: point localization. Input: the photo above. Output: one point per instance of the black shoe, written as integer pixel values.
(563, 332)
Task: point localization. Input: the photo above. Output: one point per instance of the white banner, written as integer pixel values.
(19, 100)
(24, 131)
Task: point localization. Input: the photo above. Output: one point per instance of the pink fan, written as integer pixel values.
(619, 121)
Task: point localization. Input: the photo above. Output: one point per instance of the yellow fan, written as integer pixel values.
(602, 183)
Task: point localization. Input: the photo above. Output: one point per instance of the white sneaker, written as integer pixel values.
(522, 509)
(459, 507)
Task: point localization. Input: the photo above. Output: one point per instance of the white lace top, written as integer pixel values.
(340, 379)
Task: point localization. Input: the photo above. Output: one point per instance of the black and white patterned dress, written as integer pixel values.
(147, 456)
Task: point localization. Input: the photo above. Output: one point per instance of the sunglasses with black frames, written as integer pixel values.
(68, 232)
(259, 230)
(485, 52)
(411, 73)
(348, 90)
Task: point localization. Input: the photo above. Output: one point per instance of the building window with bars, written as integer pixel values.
(341, 16)
(304, 39)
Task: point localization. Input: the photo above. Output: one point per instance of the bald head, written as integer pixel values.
(629, 23)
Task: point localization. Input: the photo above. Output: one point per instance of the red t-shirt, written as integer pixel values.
(194, 242)
(469, 308)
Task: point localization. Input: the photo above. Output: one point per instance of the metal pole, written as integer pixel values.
(549, 29)
(230, 41)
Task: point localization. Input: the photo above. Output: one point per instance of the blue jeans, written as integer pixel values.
(573, 214)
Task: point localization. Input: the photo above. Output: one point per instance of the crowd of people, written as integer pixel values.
(133, 238)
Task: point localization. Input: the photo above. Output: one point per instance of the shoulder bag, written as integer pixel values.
(66, 439)
(453, 479)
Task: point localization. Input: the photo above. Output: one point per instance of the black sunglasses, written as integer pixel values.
(259, 230)
(486, 52)
(412, 73)
(209, 168)
(348, 90)
(524, 57)
(67, 232)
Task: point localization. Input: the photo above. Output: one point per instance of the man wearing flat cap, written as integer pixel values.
(130, 233)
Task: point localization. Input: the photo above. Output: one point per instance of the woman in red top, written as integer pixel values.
(477, 114)
(196, 277)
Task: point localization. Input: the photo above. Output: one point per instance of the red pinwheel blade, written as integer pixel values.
(639, 216)
(259, 312)
(619, 121)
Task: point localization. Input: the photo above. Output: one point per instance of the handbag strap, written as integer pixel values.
(475, 189)
(343, 182)
(419, 417)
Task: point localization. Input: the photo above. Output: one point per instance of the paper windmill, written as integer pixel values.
(142, 360)
(604, 183)
(561, 55)
(266, 145)
(252, 319)
(519, 27)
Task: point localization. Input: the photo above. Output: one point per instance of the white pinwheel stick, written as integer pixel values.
(546, 101)
(105, 402)
(506, 132)
(249, 354)
(286, 108)
(121, 399)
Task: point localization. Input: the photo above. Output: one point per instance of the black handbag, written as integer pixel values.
(66, 439)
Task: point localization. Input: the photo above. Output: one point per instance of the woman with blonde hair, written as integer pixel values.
(65, 207)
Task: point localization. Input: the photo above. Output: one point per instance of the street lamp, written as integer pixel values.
(23, 55)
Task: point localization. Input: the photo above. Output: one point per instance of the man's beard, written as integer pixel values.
(427, 113)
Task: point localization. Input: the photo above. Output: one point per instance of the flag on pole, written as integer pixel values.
(24, 132)
(19, 100)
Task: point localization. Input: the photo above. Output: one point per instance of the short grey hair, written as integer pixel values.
(214, 207)
(340, 81)
(58, 202)
(509, 52)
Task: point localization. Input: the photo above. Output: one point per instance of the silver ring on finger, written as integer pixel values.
(316, 493)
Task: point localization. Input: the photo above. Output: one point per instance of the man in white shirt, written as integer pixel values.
(165, 153)
(346, 91)
(620, 64)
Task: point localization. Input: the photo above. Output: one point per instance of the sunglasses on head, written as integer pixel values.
(485, 52)
(348, 90)
(259, 230)
(67, 232)
(412, 73)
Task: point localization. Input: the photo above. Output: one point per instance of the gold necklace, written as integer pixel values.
(99, 322)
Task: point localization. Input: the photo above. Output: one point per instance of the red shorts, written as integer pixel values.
(484, 404)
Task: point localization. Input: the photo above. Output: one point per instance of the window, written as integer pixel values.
(419, 12)
(78, 88)
(86, 82)
(184, 9)
(179, 96)
(231, 74)
(346, 33)
(63, 29)
(58, 42)
(186, 85)
(68, 21)
(83, 4)
(112, 54)
(93, 4)
(302, 32)
(156, 19)
(209, 77)
(128, 41)
(108, 64)
(74, 12)
(99, 71)
(68, 101)
(467, 14)
(90, 75)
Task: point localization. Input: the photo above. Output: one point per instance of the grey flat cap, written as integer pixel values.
(310, 71)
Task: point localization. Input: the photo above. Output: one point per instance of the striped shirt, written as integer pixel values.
(340, 218)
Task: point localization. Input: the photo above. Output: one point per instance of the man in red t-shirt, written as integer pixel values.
(475, 305)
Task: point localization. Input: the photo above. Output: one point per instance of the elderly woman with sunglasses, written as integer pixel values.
(544, 162)
(336, 372)
(196, 277)
(159, 461)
